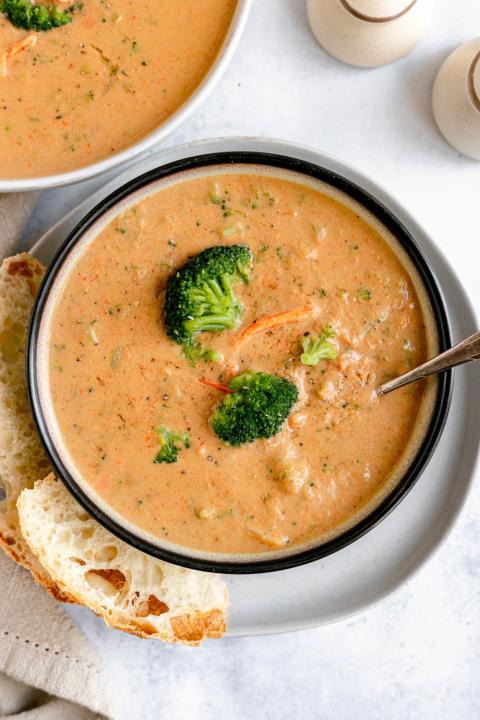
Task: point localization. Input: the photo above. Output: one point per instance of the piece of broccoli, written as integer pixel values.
(24, 14)
(196, 353)
(318, 348)
(365, 294)
(200, 295)
(257, 408)
(170, 445)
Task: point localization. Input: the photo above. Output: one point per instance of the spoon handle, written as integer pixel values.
(464, 352)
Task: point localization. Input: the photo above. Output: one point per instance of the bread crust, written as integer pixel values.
(186, 628)
(27, 559)
(20, 278)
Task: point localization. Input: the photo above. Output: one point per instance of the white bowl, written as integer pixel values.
(164, 129)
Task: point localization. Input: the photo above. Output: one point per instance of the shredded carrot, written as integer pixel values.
(17, 48)
(273, 321)
(22, 45)
(218, 386)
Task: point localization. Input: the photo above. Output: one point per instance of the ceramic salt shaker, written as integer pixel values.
(369, 33)
(456, 99)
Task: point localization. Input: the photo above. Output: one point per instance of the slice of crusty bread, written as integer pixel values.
(22, 458)
(131, 590)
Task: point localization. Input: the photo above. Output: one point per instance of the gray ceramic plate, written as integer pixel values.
(379, 562)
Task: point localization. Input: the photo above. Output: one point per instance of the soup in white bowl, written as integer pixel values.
(76, 94)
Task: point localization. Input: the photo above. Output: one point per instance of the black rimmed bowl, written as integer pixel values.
(353, 194)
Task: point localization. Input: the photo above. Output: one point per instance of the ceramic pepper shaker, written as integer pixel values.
(456, 99)
(369, 33)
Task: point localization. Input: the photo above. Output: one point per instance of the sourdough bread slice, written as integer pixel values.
(132, 591)
(22, 458)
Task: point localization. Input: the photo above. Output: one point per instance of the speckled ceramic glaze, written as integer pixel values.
(456, 99)
(369, 33)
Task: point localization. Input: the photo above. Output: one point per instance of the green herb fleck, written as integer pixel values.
(365, 294)
(215, 199)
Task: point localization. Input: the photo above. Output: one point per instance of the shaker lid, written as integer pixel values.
(378, 10)
(475, 81)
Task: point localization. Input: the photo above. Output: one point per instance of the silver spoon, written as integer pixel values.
(464, 352)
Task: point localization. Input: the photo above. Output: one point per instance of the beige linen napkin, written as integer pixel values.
(14, 211)
(48, 669)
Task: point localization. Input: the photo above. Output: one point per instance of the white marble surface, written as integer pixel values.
(416, 655)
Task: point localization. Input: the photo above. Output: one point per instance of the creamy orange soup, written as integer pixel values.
(115, 376)
(93, 87)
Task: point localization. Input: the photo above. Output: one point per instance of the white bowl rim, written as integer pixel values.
(166, 128)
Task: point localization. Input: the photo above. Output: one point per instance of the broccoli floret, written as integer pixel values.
(318, 348)
(196, 353)
(170, 445)
(200, 295)
(257, 408)
(23, 14)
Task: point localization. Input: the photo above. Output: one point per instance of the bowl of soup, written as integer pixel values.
(204, 356)
(90, 85)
